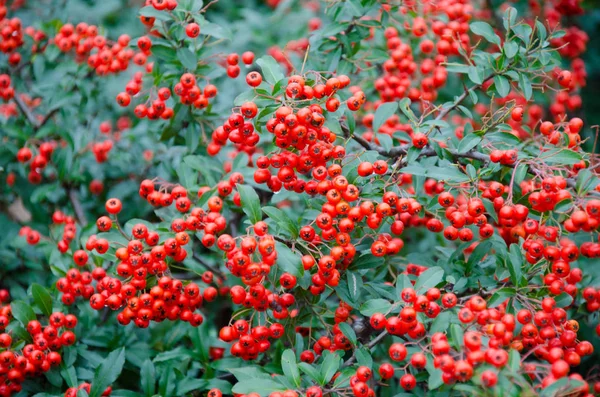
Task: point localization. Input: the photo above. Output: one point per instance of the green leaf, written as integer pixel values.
(562, 156)
(363, 357)
(264, 386)
(456, 335)
(188, 59)
(520, 174)
(543, 33)
(22, 312)
(384, 112)
(355, 285)
(515, 261)
(187, 385)
(457, 68)
(500, 296)
(148, 378)
(434, 381)
(511, 49)
(348, 331)
(563, 300)
(309, 370)
(510, 17)
(163, 52)
(468, 142)
(441, 322)
(475, 74)
(282, 220)
(429, 278)
(212, 29)
(271, 70)
(107, 372)
(404, 106)
(448, 174)
(525, 85)
(166, 383)
(514, 360)
(482, 249)
(523, 31)
(42, 298)
(585, 181)
(290, 367)
(187, 176)
(331, 364)
(373, 306)
(288, 261)
(484, 30)
(562, 387)
(70, 376)
(502, 85)
(250, 202)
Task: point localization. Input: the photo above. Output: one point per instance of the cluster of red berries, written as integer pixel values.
(241, 264)
(101, 150)
(419, 79)
(101, 55)
(69, 229)
(250, 341)
(76, 283)
(237, 130)
(466, 213)
(572, 44)
(144, 257)
(34, 358)
(554, 135)
(338, 342)
(32, 236)
(38, 162)
(161, 5)
(72, 391)
(210, 223)
(190, 93)
(156, 110)
(11, 36)
(163, 198)
(302, 129)
(232, 63)
(7, 92)
(169, 299)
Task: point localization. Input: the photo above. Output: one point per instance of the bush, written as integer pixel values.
(296, 198)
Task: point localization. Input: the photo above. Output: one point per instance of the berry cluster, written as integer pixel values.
(37, 163)
(20, 359)
(250, 341)
(233, 60)
(89, 46)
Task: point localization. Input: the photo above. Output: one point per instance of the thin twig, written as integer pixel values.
(213, 269)
(32, 118)
(371, 344)
(205, 8)
(77, 208)
(26, 111)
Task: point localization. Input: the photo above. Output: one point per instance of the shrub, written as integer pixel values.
(296, 198)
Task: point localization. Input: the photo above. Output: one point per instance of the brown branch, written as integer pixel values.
(77, 208)
(31, 117)
(402, 150)
(26, 111)
(371, 344)
(213, 269)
